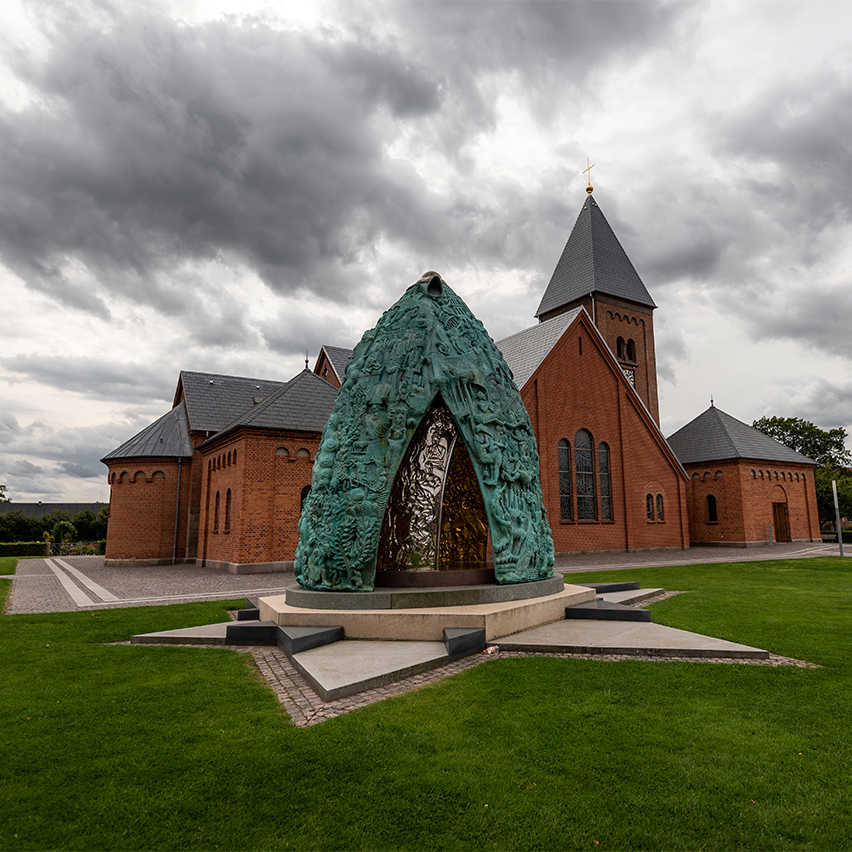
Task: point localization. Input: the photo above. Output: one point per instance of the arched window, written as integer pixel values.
(302, 453)
(619, 348)
(753, 474)
(566, 508)
(660, 516)
(228, 511)
(235, 456)
(584, 466)
(631, 350)
(712, 514)
(216, 514)
(605, 482)
(304, 496)
(649, 506)
(282, 452)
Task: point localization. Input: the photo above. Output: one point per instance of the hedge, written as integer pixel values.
(22, 548)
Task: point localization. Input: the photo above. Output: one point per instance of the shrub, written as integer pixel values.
(22, 548)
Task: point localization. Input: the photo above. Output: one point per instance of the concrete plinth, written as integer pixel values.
(427, 624)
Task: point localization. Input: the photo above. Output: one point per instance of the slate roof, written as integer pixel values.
(593, 261)
(303, 404)
(168, 436)
(339, 358)
(213, 400)
(525, 350)
(39, 510)
(715, 435)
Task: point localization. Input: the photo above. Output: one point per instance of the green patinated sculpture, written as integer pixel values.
(428, 371)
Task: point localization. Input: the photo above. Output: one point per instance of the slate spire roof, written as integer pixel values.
(593, 261)
(715, 435)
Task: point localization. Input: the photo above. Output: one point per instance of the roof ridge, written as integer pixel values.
(540, 324)
(230, 376)
(724, 426)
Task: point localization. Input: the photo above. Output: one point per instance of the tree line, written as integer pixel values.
(61, 526)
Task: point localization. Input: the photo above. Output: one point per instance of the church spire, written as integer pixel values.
(593, 261)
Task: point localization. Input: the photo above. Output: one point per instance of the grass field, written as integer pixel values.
(8, 563)
(129, 747)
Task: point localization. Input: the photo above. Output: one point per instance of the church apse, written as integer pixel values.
(428, 455)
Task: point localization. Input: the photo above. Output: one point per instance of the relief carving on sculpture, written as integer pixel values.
(376, 500)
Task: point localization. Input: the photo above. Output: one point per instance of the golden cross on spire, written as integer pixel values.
(588, 172)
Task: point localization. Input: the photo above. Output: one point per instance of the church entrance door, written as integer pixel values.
(781, 521)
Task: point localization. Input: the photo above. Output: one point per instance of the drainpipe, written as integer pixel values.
(177, 513)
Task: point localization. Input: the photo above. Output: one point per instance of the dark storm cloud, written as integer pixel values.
(152, 144)
(97, 378)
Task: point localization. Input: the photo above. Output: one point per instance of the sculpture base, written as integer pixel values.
(431, 579)
(419, 598)
(427, 622)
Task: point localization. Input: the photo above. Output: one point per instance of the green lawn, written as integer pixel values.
(129, 747)
(8, 563)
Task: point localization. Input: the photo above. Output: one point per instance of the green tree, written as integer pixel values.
(823, 476)
(827, 447)
(64, 531)
(824, 446)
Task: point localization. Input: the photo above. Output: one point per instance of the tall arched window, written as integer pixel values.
(619, 348)
(631, 350)
(216, 514)
(605, 481)
(660, 516)
(712, 514)
(584, 465)
(228, 511)
(566, 508)
(649, 506)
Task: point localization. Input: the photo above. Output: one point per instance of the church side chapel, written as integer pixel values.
(224, 477)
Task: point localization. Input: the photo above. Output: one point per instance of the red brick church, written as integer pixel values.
(222, 476)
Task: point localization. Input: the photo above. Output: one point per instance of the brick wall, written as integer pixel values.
(266, 473)
(143, 495)
(578, 386)
(744, 491)
(615, 318)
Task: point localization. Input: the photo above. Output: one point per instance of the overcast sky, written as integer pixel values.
(223, 186)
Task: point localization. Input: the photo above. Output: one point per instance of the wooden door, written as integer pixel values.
(781, 521)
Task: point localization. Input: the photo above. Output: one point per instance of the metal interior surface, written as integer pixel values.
(435, 519)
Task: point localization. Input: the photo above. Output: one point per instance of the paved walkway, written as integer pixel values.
(70, 583)
(618, 560)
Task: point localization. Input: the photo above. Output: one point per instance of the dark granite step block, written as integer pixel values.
(600, 610)
(294, 640)
(463, 641)
(611, 587)
(248, 614)
(252, 633)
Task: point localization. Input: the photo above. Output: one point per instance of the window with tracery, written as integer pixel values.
(584, 466)
(566, 508)
(649, 506)
(660, 516)
(605, 482)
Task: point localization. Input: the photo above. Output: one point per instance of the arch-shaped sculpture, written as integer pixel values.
(427, 353)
